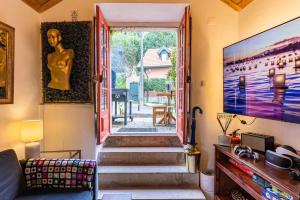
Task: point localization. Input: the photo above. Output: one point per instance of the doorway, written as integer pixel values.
(143, 80)
(126, 94)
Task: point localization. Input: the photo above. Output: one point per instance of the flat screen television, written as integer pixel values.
(262, 74)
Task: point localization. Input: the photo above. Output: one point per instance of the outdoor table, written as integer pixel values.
(169, 116)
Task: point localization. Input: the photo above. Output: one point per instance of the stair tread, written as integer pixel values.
(157, 193)
(143, 149)
(148, 169)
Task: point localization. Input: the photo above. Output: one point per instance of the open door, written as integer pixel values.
(183, 74)
(103, 77)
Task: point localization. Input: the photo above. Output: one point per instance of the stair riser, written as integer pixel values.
(142, 141)
(110, 180)
(141, 158)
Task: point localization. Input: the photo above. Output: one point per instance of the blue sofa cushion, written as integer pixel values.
(80, 195)
(11, 176)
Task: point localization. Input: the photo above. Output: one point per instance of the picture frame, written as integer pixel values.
(76, 37)
(7, 48)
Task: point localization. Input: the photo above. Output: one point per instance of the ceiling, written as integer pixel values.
(135, 13)
(41, 5)
(237, 5)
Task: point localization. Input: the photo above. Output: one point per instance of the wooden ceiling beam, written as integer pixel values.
(41, 5)
(237, 5)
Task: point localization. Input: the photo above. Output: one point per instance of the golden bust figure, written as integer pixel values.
(3, 62)
(59, 62)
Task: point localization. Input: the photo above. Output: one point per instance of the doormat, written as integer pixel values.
(137, 130)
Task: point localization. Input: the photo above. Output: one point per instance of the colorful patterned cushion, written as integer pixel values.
(55, 173)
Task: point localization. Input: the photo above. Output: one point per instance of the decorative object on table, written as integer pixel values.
(258, 142)
(192, 152)
(31, 134)
(66, 62)
(207, 183)
(224, 139)
(235, 139)
(7, 48)
(245, 151)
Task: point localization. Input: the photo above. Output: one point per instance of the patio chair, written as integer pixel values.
(158, 110)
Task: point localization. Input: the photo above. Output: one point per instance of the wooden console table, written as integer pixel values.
(229, 177)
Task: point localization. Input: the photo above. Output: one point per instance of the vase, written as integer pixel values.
(224, 140)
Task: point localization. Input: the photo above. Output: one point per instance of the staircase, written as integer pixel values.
(148, 167)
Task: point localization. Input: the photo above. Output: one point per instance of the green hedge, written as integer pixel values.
(155, 84)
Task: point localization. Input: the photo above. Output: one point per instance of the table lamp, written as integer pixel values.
(31, 134)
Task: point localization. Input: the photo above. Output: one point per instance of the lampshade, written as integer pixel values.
(32, 130)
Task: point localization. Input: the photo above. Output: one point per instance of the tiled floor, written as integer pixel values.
(142, 118)
(143, 122)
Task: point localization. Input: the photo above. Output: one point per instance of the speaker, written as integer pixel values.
(258, 142)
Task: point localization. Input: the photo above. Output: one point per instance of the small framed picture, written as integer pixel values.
(7, 48)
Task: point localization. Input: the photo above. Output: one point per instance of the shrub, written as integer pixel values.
(155, 84)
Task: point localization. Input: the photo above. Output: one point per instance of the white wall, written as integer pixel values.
(215, 25)
(27, 73)
(257, 17)
(70, 126)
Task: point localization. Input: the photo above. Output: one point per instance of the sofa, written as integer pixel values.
(14, 183)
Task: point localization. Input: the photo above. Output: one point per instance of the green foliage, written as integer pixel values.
(128, 43)
(159, 39)
(121, 81)
(155, 84)
(172, 72)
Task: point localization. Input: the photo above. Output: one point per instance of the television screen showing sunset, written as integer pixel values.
(262, 74)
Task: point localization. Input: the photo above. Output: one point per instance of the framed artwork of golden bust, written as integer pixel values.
(66, 62)
(7, 37)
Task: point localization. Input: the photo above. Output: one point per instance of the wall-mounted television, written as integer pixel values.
(262, 74)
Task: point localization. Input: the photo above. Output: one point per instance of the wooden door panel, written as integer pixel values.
(103, 77)
(182, 73)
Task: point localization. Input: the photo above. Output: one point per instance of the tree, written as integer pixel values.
(154, 40)
(172, 72)
(121, 81)
(126, 50)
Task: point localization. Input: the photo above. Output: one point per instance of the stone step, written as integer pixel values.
(179, 193)
(141, 156)
(159, 176)
(143, 140)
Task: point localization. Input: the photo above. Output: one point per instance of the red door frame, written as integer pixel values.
(103, 76)
(183, 71)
